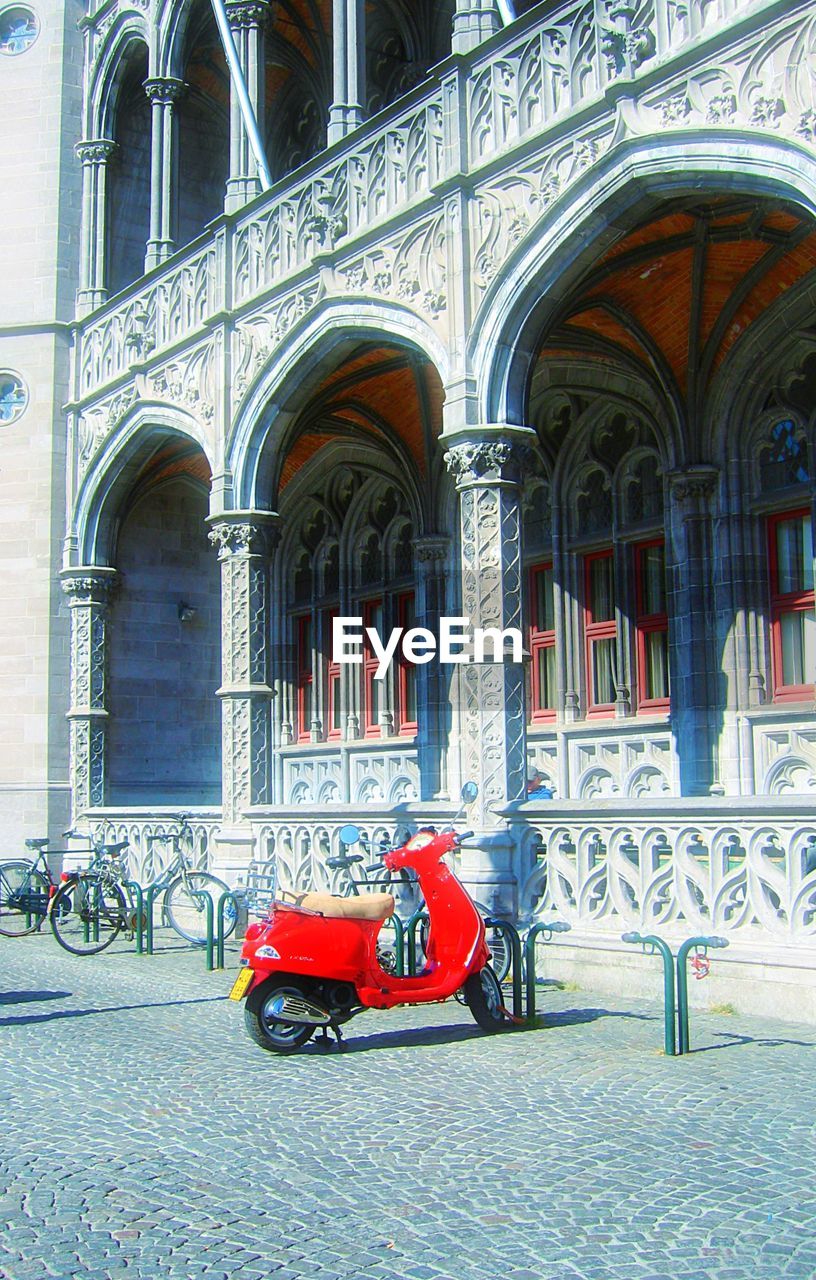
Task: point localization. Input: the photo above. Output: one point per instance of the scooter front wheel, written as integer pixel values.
(484, 998)
(264, 1027)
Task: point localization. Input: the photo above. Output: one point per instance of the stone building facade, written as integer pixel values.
(521, 331)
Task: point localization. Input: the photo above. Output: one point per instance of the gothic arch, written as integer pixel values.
(630, 181)
(114, 470)
(126, 34)
(314, 345)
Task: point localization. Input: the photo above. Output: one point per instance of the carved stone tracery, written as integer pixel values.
(244, 541)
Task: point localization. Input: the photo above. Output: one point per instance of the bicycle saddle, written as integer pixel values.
(368, 906)
(37, 844)
(116, 848)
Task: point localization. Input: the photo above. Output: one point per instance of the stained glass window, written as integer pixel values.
(13, 397)
(19, 29)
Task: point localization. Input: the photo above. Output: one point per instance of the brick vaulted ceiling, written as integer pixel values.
(381, 395)
(677, 294)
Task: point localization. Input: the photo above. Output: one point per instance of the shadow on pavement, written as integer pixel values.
(408, 1037)
(31, 997)
(453, 1033)
(572, 1017)
(737, 1041)
(118, 1008)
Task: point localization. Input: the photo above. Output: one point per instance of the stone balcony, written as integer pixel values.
(418, 212)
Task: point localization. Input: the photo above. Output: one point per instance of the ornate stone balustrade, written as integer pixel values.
(147, 859)
(297, 844)
(671, 869)
(508, 128)
(664, 868)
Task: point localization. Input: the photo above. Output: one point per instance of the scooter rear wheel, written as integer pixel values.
(267, 1030)
(484, 998)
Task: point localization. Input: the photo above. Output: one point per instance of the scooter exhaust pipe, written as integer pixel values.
(290, 1008)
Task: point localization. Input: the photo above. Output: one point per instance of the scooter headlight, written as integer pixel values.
(420, 840)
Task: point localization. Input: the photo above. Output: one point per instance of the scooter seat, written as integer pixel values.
(368, 906)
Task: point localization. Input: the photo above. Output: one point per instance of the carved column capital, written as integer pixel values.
(89, 584)
(95, 150)
(244, 533)
(694, 487)
(432, 549)
(247, 13)
(164, 90)
(480, 461)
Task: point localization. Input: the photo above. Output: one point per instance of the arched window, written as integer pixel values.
(331, 699)
(128, 212)
(611, 561)
(784, 479)
(203, 126)
(537, 544)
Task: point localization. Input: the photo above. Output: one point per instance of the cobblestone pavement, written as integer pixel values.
(145, 1135)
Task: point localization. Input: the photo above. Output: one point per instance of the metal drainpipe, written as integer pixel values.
(237, 76)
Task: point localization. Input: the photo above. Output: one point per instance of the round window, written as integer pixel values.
(19, 29)
(13, 396)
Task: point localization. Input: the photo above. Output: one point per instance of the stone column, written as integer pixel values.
(698, 693)
(348, 43)
(431, 553)
(488, 472)
(473, 22)
(163, 95)
(244, 540)
(247, 19)
(92, 268)
(88, 590)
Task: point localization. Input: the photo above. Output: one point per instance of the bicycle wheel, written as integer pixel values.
(23, 898)
(87, 914)
(501, 957)
(187, 911)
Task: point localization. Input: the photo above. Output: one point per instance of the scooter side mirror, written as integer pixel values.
(349, 834)
(469, 792)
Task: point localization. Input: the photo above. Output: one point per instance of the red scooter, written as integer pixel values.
(313, 963)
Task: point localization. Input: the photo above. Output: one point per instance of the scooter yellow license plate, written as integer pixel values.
(241, 984)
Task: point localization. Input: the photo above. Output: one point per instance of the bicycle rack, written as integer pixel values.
(548, 928)
(136, 889)
(150, 897)
(682, 984)
(399, 943)
(229, 895)
(675, 1048)
(511, 932)
(410, 933)
(657, 944)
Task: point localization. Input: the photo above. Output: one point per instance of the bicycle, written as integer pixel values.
(93, 906)
(26, 890)
(185, 889)
(89, 909)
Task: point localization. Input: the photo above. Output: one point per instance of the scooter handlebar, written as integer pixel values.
(464, 835)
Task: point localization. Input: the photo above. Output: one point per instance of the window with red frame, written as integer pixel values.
(305, 680)
(334, 723)
(406, 671)
(601, 632)
(373, 689)
(793, 617)
(542, 643)
(652, 627)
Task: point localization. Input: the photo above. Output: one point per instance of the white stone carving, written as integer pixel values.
(748, 880)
